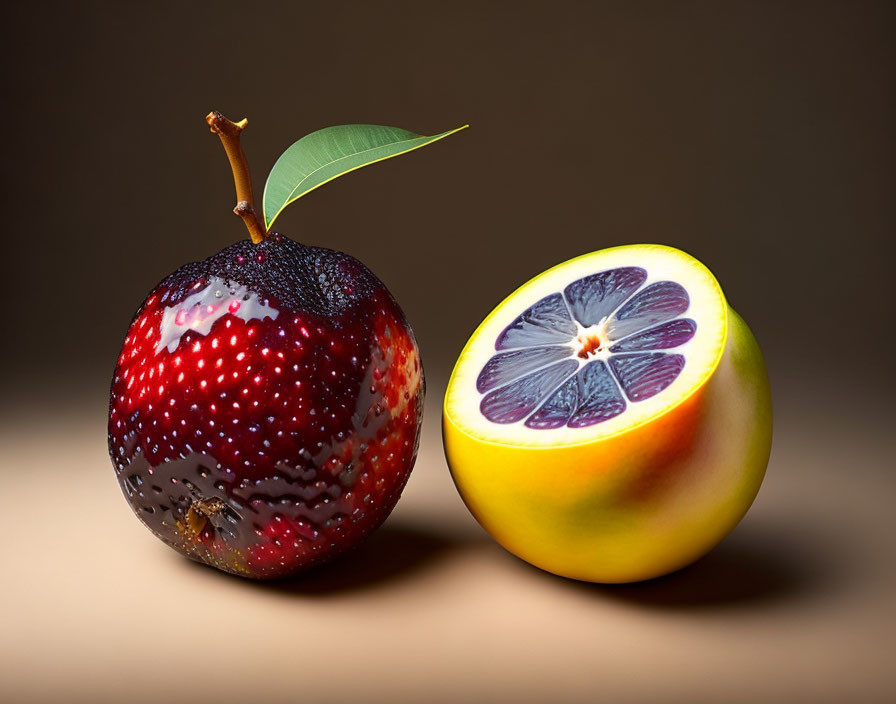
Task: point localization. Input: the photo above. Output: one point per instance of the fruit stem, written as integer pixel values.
(229, 132)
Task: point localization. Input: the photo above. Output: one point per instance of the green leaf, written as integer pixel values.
(329, 153)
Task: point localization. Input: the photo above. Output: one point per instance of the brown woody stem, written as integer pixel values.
(229, 132)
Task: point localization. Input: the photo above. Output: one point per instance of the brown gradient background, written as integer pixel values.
(760, 137)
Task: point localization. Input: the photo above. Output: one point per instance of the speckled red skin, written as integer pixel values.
(265, 447)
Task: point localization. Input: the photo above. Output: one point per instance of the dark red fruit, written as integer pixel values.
(266, 407)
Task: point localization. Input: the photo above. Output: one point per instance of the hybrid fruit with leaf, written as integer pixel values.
(266, 405)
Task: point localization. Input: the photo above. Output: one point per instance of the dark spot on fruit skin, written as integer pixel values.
(230, 416)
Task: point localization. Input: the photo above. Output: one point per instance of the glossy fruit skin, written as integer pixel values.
(273, 442)
(635, 505)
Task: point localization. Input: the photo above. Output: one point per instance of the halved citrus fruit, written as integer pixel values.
(610, 420)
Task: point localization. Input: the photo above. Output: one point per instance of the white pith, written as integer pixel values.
(702, 352)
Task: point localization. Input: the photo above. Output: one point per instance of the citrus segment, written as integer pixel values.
(593, 298)
(543, 323)
(671, 334)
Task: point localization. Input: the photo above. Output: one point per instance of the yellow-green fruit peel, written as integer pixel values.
(645, 492)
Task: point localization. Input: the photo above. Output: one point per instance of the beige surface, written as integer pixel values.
(797, 605)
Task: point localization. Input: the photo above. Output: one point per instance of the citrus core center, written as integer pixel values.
(589, 343)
